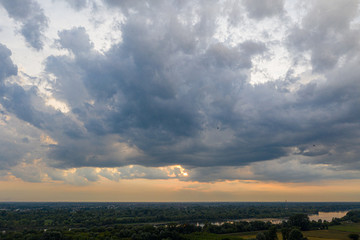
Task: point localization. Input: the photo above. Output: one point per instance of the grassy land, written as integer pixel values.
(339, 232)
(349, 227)
(231, 236)
(326, 235)
(212, 236)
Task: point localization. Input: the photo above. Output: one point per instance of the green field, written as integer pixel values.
(339, 232)
(326, 235)
(213, 236)
(350, 227)
(232, 236)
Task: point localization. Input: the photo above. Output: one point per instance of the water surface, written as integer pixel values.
(328, 216)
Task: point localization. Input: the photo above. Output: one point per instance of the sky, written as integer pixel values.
(179, 100)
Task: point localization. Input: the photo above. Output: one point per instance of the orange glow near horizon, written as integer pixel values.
(172, 190)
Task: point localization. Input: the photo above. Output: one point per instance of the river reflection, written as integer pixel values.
(328, 216)
(272, 220)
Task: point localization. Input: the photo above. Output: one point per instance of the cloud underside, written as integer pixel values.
(173, 93)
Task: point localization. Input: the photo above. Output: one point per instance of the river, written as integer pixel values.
(328, 216)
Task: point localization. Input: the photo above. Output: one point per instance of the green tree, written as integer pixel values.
(52, 235)
(272, 233)
(353, 215)
(260, 236)
(295, 234)
(285, 233)
(300, 220)
(353, 236)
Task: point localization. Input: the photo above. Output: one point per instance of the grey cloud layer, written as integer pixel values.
(18, 141)
(260, 9)
(78, 4)
(171, 93)
(326, 32)
(7, 67)
(32, 18)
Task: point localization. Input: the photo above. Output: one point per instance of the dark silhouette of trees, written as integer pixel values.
(353, 236)
(285, 233)
(272, 233)
(295, 234)
(260, 236)
(353, 216)
(300, 220)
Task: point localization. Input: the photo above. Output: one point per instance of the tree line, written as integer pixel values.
(100, 222)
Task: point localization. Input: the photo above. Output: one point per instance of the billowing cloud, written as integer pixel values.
(260, 9)
(7, 67)
(296, 170)
(326, 32)
(32, 18)
(75, 40)
(177, 90)
(152, 108)
(78, 4)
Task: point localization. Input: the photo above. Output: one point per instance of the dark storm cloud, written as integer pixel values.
(170, 93)
(31, 16)
(299, 171)
(94, 152)
(7, 67)
(14, 142)
(9, 154)
(180, 99)
(141, 100)
(260, 9)
(18, 101)
(27, 106)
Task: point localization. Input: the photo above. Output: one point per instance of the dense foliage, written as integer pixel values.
(127, 220)
(353, 216)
